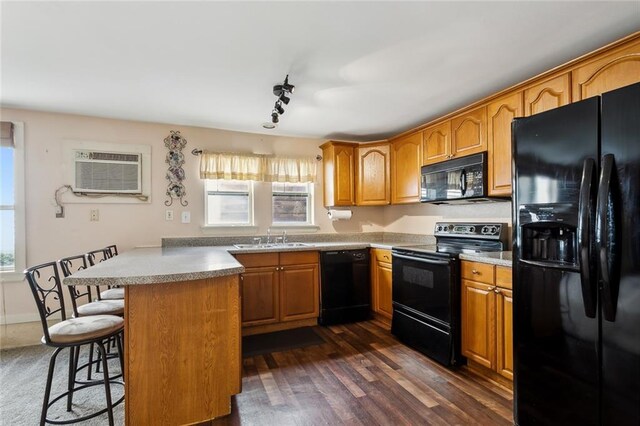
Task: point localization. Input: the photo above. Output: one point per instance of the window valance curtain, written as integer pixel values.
(229, 166)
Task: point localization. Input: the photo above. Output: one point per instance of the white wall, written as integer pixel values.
(130, 225)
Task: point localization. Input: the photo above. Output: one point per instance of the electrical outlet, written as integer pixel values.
(168, 215)
(186, 217)
(94, 215)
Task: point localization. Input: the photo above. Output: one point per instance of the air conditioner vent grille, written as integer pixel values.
(95, 176)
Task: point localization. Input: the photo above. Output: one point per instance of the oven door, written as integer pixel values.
(424, 284)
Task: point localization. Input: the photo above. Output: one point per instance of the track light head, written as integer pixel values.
(274, 117)
(284, 99)
(288, 87)
(279, 108)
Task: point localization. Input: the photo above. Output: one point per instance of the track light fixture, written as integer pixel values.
(281, 91)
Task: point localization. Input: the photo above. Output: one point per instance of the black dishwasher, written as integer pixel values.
(345, 291)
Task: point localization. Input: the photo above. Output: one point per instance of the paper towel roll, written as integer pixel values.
(339, 214)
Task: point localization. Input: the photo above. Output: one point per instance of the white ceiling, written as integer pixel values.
(362, 70)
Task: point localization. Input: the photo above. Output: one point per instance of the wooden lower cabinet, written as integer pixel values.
(487, 325)
(279, 290)
(260, 296)
(381, 284)
(478, 312)
(504, 331)
(299, 288)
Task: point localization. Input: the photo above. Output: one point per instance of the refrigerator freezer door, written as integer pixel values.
(621, 336)
(555, 342)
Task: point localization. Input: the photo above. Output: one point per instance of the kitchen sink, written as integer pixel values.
(253, 246)
(271, 245)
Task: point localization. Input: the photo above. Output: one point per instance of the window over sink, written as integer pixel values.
(228, 202)
(292, 203)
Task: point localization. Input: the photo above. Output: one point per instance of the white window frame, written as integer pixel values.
(250, 225)
(19, 207)
(310, 223)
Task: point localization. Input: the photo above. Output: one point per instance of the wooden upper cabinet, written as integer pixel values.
(500, 114)
(373, 171)
(608, 71)
(549, 94)
(436, 145)
(406, 160)
(339, 177)
(469, 133)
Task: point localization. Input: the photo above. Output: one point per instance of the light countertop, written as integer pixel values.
(500, 258)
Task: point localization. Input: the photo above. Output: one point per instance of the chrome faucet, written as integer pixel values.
(268, 235)
(284, 236)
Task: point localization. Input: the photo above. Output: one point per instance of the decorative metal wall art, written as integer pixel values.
(175, 174)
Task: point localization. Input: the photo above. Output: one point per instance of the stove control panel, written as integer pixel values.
(493, 231)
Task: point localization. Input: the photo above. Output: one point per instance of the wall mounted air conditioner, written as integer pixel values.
(100, 172)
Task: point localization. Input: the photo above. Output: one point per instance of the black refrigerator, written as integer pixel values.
(576, 247)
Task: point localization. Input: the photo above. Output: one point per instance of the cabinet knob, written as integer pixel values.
(241, 277)
(497, 290)
(475, 271)
(491, 288)
(385, 256)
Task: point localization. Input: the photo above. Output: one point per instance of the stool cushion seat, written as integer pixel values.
(102, 307)
(112, 294)
(81, 329)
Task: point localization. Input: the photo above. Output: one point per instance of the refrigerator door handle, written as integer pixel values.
(605, 238)
(585, 209)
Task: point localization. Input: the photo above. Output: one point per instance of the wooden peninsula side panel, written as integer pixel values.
(183, 351)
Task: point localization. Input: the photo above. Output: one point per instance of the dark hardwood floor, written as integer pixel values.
(363, 376)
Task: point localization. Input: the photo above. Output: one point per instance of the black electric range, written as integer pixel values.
(426, 286)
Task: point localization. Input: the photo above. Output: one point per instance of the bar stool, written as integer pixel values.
(100, 307)
(100, 255)
(44, 281)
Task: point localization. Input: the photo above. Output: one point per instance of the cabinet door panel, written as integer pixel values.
(501, 112)
(504, 331)
(478, 323)
(259, 288)
(469, 133)
(607, 72)
(344, 176)
(373, 186)
(383, 289)
(436, 143)
(338, 169)
(406, 160)
(299, 292)
(547, 95)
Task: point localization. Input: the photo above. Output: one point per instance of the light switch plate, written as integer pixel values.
(186, 217)
(168, 215)
(94, 215)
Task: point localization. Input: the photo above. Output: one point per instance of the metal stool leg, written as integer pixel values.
(107, 386)
(70, 384)
(90, 362)
(120, 354)
(47, 391)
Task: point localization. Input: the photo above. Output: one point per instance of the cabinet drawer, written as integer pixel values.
(382, 255)
(298, 257)
(476, 271)
(253, 260)
(503, 277)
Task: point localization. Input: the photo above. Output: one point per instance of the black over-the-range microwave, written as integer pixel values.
(457, 181)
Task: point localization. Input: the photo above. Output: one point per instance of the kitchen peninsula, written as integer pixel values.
(182, 331)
